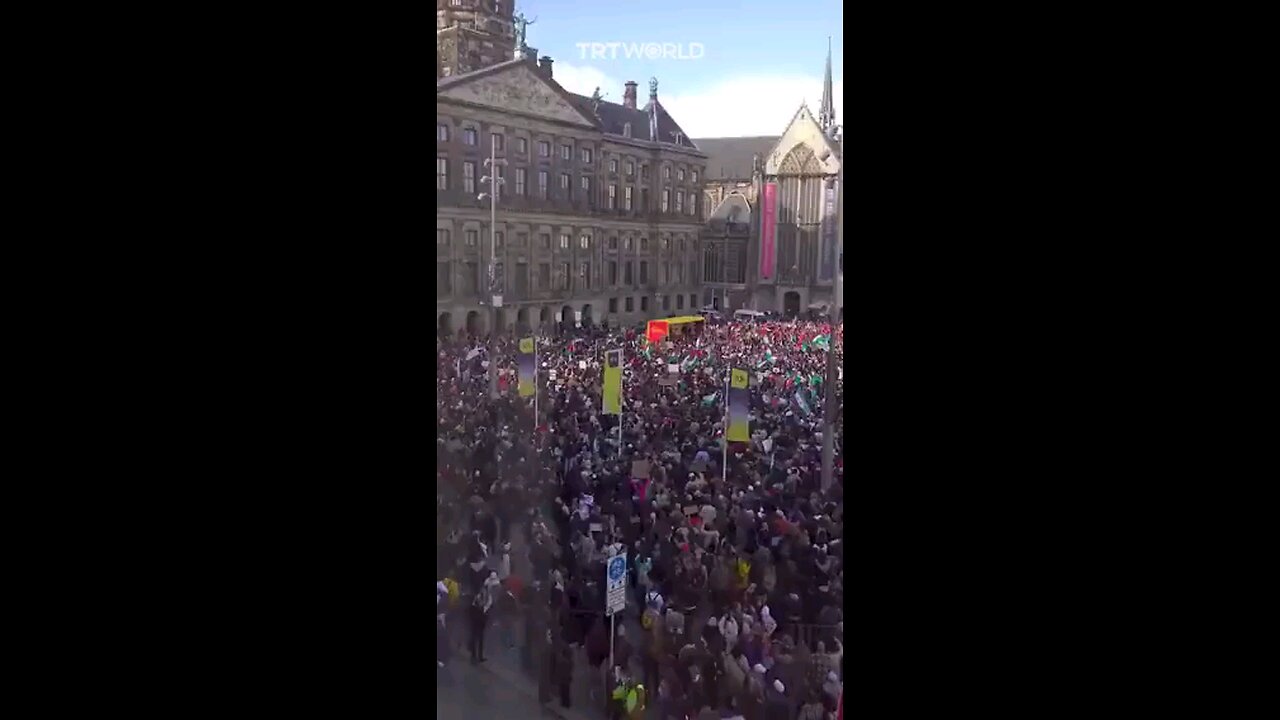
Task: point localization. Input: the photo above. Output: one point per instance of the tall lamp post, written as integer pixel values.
(829, 394)
(492, 163)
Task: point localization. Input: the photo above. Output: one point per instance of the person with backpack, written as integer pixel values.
(451, 607)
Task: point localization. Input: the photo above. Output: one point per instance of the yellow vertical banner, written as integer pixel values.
(739, 408)
(527, 364)
(613, 382)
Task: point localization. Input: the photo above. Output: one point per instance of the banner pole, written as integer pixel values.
(724, 461)
(622, 383)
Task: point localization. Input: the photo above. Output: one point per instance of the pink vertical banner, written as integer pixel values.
(768, 228)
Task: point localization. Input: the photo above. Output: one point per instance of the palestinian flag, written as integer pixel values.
(804, 406)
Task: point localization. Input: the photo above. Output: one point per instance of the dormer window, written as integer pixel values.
(626, 130)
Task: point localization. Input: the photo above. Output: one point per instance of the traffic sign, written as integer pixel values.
(616, 583)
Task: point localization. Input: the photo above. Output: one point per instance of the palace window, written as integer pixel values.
(469, 177)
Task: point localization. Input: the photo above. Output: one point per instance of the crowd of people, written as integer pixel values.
(734, 558)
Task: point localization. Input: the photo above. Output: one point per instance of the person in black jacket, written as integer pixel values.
(481, 604)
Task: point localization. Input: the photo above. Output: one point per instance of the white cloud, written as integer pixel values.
(735, 107)
(749, 105)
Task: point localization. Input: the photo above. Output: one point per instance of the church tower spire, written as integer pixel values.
(827, 113)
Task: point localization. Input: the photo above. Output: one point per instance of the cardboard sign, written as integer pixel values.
(640, 469)
(582, 364)
(668, 381)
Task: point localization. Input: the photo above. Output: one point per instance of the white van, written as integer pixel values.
(749, 315)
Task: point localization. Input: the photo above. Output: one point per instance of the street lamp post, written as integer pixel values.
(492, 163)
(829, 394)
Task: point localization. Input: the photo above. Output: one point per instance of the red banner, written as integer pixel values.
(656, 331)
(768, 229)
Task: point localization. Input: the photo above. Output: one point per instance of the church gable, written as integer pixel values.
(803, 149)
(734, 209)
(518, 88)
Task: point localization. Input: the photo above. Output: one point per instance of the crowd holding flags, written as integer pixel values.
(763, 371)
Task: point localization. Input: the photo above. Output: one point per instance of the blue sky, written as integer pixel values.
(759, 60)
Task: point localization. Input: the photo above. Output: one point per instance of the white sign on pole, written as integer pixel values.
(615, 578)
